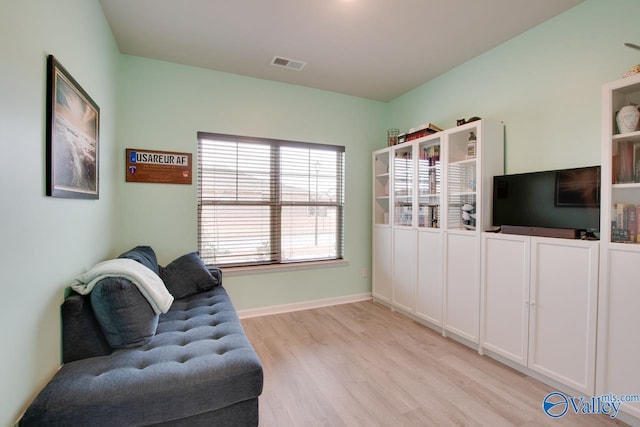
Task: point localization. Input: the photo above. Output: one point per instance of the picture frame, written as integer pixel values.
(72, 136)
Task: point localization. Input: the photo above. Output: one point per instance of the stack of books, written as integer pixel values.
(422, 130)
(624, 225)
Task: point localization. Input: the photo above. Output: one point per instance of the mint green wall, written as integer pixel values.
(45, 242)
(164, 105)
(544, 85)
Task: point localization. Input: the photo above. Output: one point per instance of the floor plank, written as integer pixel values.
(361, 364)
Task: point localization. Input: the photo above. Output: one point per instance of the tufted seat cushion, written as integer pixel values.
(199, 361)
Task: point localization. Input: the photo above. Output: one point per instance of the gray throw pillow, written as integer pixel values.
(124, 314)
(144, 255)
(187, 275)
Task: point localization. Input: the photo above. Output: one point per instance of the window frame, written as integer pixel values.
(277, 204)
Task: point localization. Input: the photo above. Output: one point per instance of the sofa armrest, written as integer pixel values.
(81, 334)
(216, 273)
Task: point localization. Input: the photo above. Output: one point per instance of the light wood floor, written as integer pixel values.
(363, 365)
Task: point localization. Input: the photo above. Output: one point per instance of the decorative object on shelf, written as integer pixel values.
(471, 146)
(627, 118)
(392, 136)
(73, 133)
(463, 121)
(636, 68)
(632, 71)
(625, 163)
(469, 216)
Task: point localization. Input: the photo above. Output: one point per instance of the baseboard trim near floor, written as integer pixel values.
(305, 305)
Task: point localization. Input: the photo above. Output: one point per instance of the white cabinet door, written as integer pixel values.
(462, 285)
(404, 268)
(381, 268)
(505, 295)
(429, 289)
(619, 339)
(563, 311)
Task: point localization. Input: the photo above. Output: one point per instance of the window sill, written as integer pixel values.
(277, 268)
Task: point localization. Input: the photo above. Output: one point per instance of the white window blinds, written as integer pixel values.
(264, 201)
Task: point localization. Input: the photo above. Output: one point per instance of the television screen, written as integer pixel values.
(566, 198)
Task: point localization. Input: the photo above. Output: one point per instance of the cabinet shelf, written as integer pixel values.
(626, 185)
(623, 137)
(462, 193)
(462, 162)
(625, 246)
(428, 168)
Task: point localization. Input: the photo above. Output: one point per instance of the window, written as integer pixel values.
(265, 201)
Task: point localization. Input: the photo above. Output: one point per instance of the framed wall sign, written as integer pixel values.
(167, 167)
(73, 131)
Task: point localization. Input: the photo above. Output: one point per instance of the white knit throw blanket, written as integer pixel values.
(149, 283)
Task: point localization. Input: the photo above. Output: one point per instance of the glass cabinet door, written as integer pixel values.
(403, 172)
(429, 182)
(381, 187)
(461, 180)
(625, 164)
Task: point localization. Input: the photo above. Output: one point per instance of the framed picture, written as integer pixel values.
(73, 133)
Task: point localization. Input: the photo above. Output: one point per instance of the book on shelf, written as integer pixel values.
(625, 224)
(431, 154)
(422, 130)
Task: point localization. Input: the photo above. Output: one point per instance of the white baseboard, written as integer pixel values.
(305, 305)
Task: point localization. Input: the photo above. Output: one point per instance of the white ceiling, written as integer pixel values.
(376, 49)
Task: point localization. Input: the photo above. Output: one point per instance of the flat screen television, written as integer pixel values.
(565, 198)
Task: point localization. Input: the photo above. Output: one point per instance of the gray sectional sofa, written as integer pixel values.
(126, 365)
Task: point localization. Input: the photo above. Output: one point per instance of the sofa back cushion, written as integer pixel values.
(145, 255)
(124, 314)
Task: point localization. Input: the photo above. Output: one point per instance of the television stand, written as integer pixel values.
(562, 233)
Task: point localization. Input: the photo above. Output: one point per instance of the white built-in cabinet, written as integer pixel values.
(429, 281)
(539, 305)
(468, 175)
(403, 230)
(618, 370)
(506, 280)
(381, 236)
(432, 199)
(403, 276)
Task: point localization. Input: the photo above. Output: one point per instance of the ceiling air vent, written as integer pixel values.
(291, 64)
